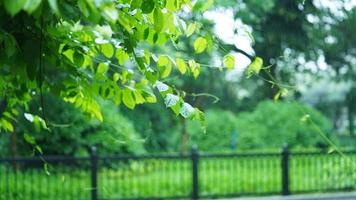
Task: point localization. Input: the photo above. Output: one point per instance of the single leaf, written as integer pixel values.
(229, 61)
(147, 6)
(117, 96)
(136, 3)
(83, 7)
(102, 68)
(128, 99)
(125, 22)
(121, 56)
(39, 149)
(138, 97)
(195, 68)
(116, 77)
(255, 66)
(171, 5)
(166, 70)
(162, 87)
(181, 65)
(110, 13)
(163, 60)
(200, 45)
(7, 125)
(29, 117)
(190, 30)
(78, 59)
(107, 49)
(14, 6)
(54, 6)
(171, 100)
(31, 5)
(29, 139)
(159, 20)
(186, 110)
(206, 5)
(151, 98)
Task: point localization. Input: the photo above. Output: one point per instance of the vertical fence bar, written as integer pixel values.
(94, 173)
(195, 161)
(285, 170)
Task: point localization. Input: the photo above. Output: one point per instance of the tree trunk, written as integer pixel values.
(185, 136)
(13, 146)
(351, 119)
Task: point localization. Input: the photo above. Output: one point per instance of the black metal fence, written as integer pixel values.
(194, 176)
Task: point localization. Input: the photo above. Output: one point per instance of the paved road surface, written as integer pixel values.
(324, 196)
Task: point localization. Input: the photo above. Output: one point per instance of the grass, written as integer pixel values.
(159, 177)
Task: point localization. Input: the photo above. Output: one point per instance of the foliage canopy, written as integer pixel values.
(84, 49)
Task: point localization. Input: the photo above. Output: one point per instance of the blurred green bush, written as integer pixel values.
(72, 132)
(268, 126)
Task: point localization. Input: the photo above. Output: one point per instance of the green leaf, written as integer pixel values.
(69, 54)
(199, 116)
(136, 3)
(159, 20)
(188, 3)
(255, 66)
(83, 7)
(14, 6)
(182, 66)
(97, 113)
(190, 30)
(207, 4)
(78, 59)
(163, 88)
(115, 77)
(138, 97)
(39, 149)
(195, 68)
(102, 68)
(128, 99)
(117, 97)
(45, 167)
(31, 5)
(281, 93)
(186, 110)
(29, 139)
(7, 125)
(147, 6)
(171, 5)
(229, 61)
(54, 6)
(171, 100)
(121, 56)
(200, 45)
(151, 98)
(107, 49)
(111, 14)
(162, 60)
(166, 71)
(165, 65)
(125, 22)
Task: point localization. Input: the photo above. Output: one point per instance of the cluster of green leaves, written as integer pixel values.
(84, 49)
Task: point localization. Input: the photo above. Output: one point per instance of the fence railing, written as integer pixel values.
(194, 176)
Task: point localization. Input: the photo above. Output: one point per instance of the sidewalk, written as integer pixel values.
(317, 196)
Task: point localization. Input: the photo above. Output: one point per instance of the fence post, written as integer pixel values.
(94, 173)
(285, 170)
(195, 176)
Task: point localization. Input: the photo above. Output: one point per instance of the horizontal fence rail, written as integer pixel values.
(194, 176)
